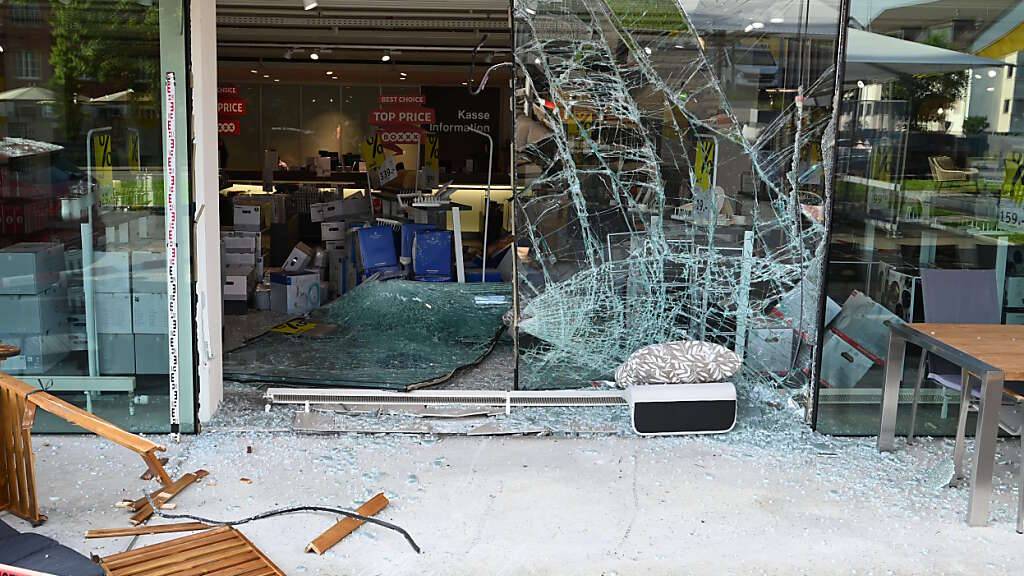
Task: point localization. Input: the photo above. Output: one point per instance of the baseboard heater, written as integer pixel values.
(658, 410)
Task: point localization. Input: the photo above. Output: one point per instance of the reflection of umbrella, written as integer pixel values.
(877, 58)
(122, 96)
(19, 147)
(28, 94)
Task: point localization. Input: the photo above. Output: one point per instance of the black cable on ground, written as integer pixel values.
(283, 511)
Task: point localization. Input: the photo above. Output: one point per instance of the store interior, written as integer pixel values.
(359, 145)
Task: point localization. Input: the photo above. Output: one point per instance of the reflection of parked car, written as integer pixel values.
(754, 66)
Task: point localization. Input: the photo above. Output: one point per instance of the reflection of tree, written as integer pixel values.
(110, 43)
(929, 93)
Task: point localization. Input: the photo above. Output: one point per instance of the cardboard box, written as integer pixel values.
(116, 353)
(149, 271)
(335, 245)
(152, 354)
(332, 231)
(149, 313)
(294, 293)
(118, 233)
(40, 353)
(298, 259)
(241, 241)
(239, 282)
(251, 218)
(34, 313)
(356, 206)
(238, 259)
(111, 272)
(113, 312)
(30, 267)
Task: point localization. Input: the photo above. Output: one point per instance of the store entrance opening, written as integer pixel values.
(364, 153)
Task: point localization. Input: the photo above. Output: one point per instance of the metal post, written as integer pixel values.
(891, 395)
(985, 448)
(743, 298)
(487, 199)
(961, 428)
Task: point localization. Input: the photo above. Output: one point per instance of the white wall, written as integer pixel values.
(203, 26)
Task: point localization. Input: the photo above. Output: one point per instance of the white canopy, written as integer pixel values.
(28, 94)
(876, 58)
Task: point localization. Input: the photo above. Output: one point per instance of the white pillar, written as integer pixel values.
(206, 228)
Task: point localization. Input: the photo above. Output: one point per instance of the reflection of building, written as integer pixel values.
(1000, 97)
(25, 62)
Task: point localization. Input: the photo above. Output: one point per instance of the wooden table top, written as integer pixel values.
(1000, 345)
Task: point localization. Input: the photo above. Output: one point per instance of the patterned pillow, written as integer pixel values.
(682, 362)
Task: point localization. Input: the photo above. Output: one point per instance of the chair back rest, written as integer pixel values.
(934, 166)
(960, 296)
(945, 162)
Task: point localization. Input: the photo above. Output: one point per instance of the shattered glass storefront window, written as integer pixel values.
(673, 162)
(928, 217)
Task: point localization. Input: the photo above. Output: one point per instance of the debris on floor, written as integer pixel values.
(346, 526)
(143, 507)
(140, 530)
(222, 550)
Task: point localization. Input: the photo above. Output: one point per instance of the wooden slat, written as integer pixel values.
(165, 494)
(222, 551)
(139, 530)
(1001, 345)
(79, 417)
(16, 458)
(347, 525)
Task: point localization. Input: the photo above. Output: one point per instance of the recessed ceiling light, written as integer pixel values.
(537, 61)
(992, 73)
(777, 20)
(978, 76)
(860, 83)
(330, 72)
(254, 71)
(465, 83)
(990, 89)
(648, 50)
(385, 58)
(266, 75)
(309, 4)
(314, 56)
(277, 79)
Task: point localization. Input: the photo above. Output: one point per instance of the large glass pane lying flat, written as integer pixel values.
(396, 335)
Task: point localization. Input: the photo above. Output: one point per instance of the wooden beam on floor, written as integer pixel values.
(163, 495)
(347, 525)
(140, 530)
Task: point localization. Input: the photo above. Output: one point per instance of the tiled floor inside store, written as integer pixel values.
(769, 498)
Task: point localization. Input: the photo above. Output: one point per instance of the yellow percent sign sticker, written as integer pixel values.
(705, 165)
(297, 326)
(103, 158)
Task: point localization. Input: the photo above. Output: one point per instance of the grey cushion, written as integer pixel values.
(683, 362)
(37, 552)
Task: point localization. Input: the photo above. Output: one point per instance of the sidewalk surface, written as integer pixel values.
(770, 498)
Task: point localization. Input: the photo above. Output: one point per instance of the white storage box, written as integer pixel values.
(117, 354)
(149, 271)
(240, 241)
(113, 312)
(111, 272)
(30, 267)
(151, 354)
(39, 352)
(238, 259)
(294, 293)
(334, 245)
(34, 313)
(678, 409)
(149, 313)
(239, 282)
(332, 231)
(300, 257)
(249, 218)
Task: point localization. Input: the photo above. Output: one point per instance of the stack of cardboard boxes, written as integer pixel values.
(33, 304)
(336, 219)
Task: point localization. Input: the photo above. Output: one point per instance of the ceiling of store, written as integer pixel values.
(424, 33)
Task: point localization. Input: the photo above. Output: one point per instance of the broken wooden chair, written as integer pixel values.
(18, 404)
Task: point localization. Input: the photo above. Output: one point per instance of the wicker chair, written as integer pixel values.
(944, 172)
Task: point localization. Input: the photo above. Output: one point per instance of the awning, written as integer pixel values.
(876, 58)
(28, 94)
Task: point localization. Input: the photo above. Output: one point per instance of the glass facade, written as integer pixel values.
(672, 164)
(928, 213)
(83, 216)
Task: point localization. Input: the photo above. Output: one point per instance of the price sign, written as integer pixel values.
(1011, 216)
(387, 171)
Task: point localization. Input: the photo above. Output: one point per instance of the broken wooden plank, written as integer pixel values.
(140, 530)
(222, 551)
(165, 494)
(149, 474)
(347, 525)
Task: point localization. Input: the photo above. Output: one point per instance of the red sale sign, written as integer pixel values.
(229, 126)
(232, 107)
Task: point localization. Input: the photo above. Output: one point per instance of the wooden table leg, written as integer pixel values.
(154, 465)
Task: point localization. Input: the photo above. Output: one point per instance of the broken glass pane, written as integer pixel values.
(672, 165)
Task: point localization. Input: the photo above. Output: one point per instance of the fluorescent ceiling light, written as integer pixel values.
(309, 4)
